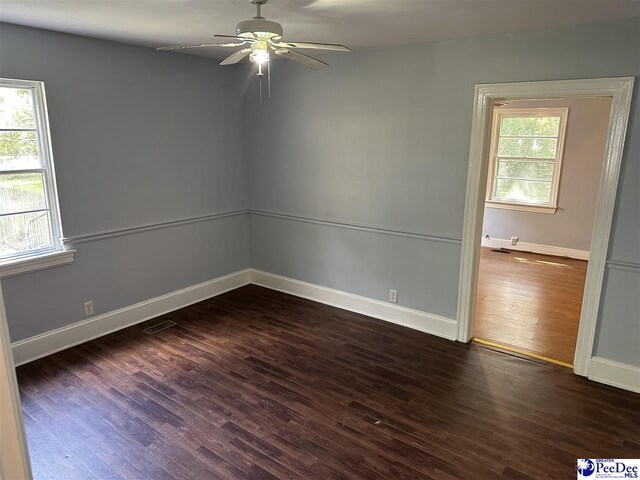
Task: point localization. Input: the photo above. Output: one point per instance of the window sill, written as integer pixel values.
(522, 207)
(37, 262)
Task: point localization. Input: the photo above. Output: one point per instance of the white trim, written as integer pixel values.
(53, 341)
(27, 350)
(620, 89)
(14, 454)
(632, 267)
(536, 248)
(522, 207)
(68, 336)
(359, 227)
(407, 317)
(616, 374)
(32, 263)
(92, 237)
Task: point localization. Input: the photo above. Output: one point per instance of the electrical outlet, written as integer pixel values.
(515, 240)
(393, 296)
(88, 308)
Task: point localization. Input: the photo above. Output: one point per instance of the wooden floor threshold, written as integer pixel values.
(522, 352)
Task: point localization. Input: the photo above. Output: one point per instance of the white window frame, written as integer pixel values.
(498, 115)
(22, 262)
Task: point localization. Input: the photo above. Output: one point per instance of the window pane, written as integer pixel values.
(530, 126)
(523, 191)
(16, 108)
(21, 191)
(527, 147)
(535, 170)
(18, 150)
(25, 231)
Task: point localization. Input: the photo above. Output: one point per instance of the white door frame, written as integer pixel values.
(14, 456)
(620, 89)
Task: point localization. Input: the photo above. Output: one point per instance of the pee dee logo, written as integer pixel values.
(592, 468)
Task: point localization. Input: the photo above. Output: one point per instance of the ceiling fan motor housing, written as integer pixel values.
(260, 27)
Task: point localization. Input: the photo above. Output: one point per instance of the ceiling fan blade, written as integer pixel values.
(315, 46)
(235, 37)
(236, 56)
(306, 60)
(203, 45)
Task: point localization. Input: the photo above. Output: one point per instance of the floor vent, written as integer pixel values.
(159, 327)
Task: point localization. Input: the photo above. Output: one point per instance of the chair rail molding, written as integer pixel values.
(119, 232)
(358, 226)
(620, 89)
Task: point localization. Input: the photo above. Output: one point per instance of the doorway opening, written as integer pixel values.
(490, 97)
(544, 166)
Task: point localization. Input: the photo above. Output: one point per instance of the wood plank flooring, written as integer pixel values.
(256, 384)
(530, 301)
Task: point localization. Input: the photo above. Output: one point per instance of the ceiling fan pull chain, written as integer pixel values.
(260, 75)
(269, 79)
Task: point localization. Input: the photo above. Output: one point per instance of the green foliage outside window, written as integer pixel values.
(526, 155)
(21, 192)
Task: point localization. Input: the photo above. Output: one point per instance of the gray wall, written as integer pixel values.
(356, 174)
(380, 140)
(571, 226)
(139, 137)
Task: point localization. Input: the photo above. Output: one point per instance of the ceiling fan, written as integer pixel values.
(261, 37)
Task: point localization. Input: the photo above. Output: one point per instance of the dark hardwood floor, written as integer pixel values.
(531, 302)
(256, 384)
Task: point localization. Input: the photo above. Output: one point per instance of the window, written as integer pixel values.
(29, 218)
(526, 156)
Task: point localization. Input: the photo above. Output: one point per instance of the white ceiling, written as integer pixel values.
(356, 23)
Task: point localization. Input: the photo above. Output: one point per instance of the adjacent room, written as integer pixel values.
(546, 161)
(319, 239)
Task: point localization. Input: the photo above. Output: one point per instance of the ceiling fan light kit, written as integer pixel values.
(263, 37)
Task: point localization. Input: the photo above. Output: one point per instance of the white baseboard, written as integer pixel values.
(55, 340)
(536, 248)
(616, 374)
(47, 343)
(407, 317)
(600, 370)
